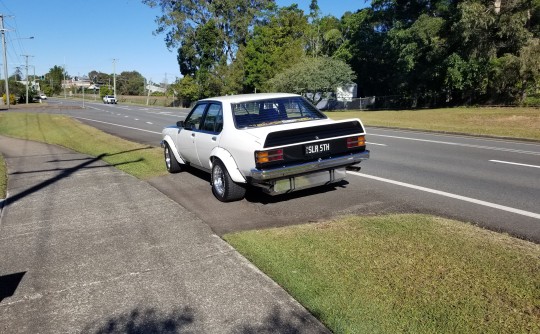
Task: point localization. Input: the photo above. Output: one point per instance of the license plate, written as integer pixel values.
(317, 148)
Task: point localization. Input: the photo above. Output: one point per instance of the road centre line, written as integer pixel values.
(450, 195)
(458, 144)
(514, 163)
(122, 126)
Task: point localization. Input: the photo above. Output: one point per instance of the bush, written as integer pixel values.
(11, 99)
(532, 101)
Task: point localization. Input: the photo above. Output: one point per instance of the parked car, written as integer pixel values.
(42, 96)
(109, 99)
(278, 142)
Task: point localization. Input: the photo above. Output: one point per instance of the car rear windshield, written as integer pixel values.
(274, 111)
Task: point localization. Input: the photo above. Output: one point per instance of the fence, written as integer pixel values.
(396, 102)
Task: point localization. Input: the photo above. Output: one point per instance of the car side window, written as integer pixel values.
(193, 121)
(213, 121)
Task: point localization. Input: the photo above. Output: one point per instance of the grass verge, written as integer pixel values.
(139, 160)
(403, 273)
(523, 123)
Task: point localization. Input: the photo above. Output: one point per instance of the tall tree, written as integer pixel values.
(56, 76)
(274, 47)
(208, 33)
(130, 83)
(99, 77)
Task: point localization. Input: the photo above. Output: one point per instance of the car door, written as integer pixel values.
(186, 136)
(207, 138)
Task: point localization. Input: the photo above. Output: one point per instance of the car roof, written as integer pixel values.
(249, 97)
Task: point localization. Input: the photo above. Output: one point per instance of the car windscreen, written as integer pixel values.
(274, 111)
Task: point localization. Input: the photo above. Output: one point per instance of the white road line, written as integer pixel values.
(453, 136)
(149, 123)
(136, 119)
(514, 163)
(458, 144)
(443, 193)
(122, 126)
(370, 143)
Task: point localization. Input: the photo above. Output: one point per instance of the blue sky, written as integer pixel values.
(88, 35)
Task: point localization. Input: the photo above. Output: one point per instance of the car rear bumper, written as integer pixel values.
(305, 168)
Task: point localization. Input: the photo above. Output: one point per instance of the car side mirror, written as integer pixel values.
(180, 124)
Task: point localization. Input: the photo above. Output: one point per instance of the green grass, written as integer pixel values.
(155, 101)
(3, 177)
(521, 123)
(139, 160)
(403, 273)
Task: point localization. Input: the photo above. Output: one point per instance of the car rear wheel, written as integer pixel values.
(173, 166)
(223, 187)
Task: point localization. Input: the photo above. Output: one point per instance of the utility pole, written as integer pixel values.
(5, 58)
(26, 76)
(114, 75)
(148, 87)
(64, 82)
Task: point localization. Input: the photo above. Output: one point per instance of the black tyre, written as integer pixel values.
(223, 187)
(173, 166)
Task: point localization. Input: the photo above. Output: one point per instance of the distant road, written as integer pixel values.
(489, 182)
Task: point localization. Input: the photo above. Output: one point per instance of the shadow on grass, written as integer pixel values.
(184, 320)
(67, 172)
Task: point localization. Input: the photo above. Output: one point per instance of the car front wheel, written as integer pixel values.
(173, 166)
(223, 187)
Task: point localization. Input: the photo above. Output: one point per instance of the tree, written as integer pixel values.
(99, 78)
(208, 34)
(16, 89)
(313, 77)
(130, 83)
(53, 80)
(274, 47)
(105, 90)
(17, 75)
(186, 89)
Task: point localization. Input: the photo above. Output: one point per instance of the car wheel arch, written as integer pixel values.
(174, 149)
(228, 160)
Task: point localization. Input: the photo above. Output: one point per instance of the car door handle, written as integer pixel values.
(193, 134)
(214, 138)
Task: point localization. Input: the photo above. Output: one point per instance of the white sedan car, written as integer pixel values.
(278, 142)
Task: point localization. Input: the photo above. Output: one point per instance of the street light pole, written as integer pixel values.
(114, 76)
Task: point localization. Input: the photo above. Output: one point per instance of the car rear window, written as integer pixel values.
(274, 111)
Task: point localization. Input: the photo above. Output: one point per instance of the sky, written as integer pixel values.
(106, 36)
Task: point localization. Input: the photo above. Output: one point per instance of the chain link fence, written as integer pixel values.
(396, 102)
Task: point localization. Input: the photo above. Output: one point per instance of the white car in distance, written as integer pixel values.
(276, 141)
(109, 99)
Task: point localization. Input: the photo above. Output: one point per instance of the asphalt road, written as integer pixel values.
(489, 182)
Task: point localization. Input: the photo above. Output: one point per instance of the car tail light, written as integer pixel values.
(262, 157)
(356, 141)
